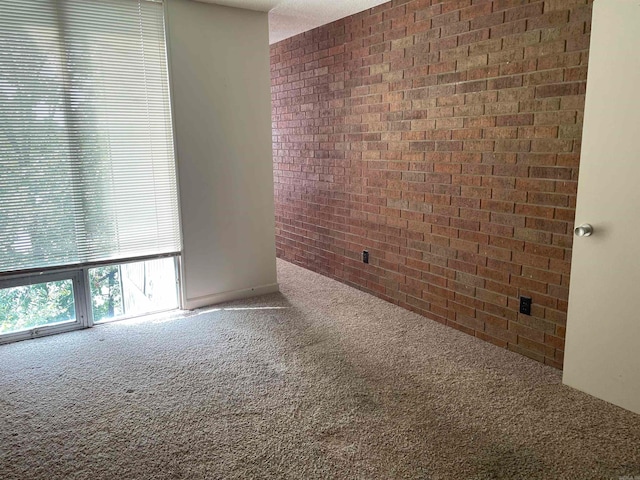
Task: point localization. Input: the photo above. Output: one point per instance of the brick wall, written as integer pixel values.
(444, 138)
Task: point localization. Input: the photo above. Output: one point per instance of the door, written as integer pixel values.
(602, 354)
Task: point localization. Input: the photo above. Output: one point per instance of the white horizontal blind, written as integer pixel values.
(87, 170)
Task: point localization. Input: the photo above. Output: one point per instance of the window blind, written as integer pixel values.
(87, 170)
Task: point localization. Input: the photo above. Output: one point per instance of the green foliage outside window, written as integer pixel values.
(34, 305)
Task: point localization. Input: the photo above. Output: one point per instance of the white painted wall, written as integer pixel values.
(220, 88)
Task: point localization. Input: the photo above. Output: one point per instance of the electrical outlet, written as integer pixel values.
(525, 305)
(365, 256)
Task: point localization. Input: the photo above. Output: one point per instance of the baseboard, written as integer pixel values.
(199, 302)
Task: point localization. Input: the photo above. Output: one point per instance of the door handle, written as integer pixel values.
(584, 230)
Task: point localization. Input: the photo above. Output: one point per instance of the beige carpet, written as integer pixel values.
(321, 381)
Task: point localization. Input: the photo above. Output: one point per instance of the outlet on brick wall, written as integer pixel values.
(443, 136)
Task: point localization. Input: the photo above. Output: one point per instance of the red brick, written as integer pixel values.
(547, 20)
(487, 21)
(557, 90)
(524, 12)
(445, 139)
(444, 19)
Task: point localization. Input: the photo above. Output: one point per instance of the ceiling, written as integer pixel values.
(290, 17)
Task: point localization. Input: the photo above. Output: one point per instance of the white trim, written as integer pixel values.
(38, 332)
(182, 278)
(199, 302)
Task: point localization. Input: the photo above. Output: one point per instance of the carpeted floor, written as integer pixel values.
(320, 381)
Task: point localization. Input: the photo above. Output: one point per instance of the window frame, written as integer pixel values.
(81, 296)
(176, 265)
(82, 320)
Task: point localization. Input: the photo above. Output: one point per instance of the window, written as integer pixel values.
(87, 168)
(34, 305)
(132, 289)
